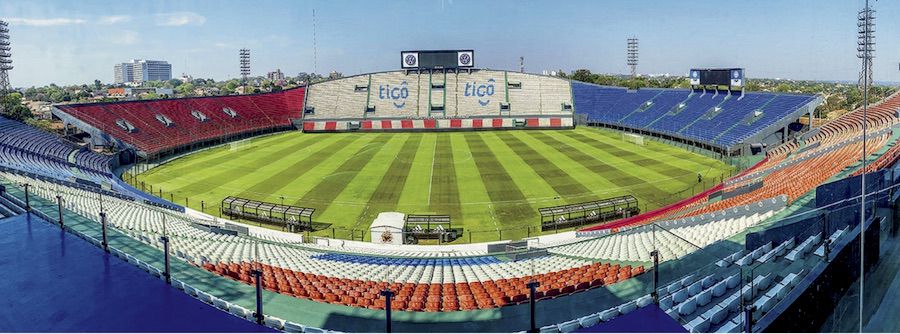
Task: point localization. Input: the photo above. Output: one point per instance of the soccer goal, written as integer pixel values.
(239, 145)
(633, 138)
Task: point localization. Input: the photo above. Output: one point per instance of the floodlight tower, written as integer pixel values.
(245, 66)
(632, 55)
(865, 49)
(5, 58)
(865, 44)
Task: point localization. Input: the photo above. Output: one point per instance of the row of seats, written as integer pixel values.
(885, 160)
(591, 320)
(880, 115)
(434, 297)
(154, 126)
(29, 141)
(396, 261)
(671, 240)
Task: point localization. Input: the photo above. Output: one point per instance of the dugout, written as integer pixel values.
(439, 227)
(292, 218)
(571, 215)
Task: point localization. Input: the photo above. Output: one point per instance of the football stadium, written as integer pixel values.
(445, 196)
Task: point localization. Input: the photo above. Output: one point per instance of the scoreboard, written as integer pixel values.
(731, 77)
(437, 59)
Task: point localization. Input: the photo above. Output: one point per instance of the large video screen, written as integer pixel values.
(715, 77)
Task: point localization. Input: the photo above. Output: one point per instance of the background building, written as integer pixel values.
(123, 73)
(139, 70)
(275, 75)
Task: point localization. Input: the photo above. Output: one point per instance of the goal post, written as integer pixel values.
(633, 138)
(239, 144)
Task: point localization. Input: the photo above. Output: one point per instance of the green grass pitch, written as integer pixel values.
(487, 181)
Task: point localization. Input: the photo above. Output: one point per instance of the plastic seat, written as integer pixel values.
(666, 303)
(607, 315)
(704, 298)
(680, 296)
(568, 326)
(644, 301)
(719, 289)
(687, 307)
(695, 288)
(627, 307)
(549, 329)
(590, 320)
(698, 325)
(733, 281)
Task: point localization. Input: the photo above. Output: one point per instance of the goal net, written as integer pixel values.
(239, 145)
(633, 138)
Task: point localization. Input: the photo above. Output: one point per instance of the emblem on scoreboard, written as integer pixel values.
(695, 77)
(737, 77)
(465, 59)
(482, 91)
(409, 59)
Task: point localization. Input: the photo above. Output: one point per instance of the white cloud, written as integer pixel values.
(180, 19)
(113, 19)
(50, 22)
(125, 37)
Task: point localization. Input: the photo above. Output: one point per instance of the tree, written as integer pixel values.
(97, 84)
(582, 75)
(174, 83)
(11, 105)
(150, 96)
(186, 89)
(231, 85)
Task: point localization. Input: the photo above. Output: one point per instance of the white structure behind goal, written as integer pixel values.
(633, 138)
(239, 145)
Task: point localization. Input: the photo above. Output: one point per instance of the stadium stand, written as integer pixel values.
(153, 127)
(30, 150)
(439, 284)
(681, 237)
(721, 120)
(833, 148)
(401, 100)
(536, 96)
(344, 98)
(394, 95)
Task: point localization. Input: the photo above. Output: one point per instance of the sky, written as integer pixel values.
(75, 42)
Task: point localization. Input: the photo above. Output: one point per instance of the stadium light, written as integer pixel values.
(245, 66)
(632, 55)
(865, 49)
(5, 58)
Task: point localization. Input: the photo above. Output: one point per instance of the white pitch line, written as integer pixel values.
(431, 177)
